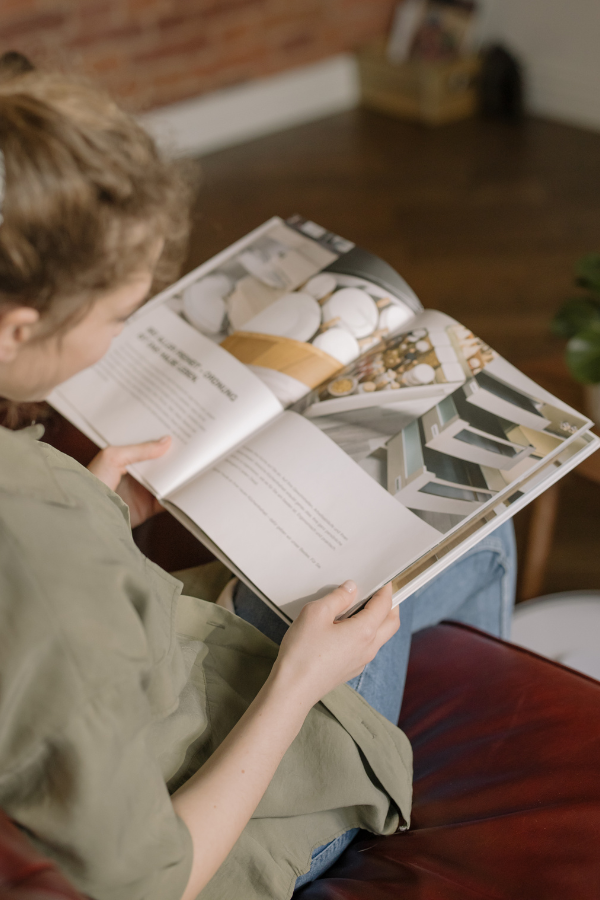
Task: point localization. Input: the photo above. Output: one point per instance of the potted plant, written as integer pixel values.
(578, 320)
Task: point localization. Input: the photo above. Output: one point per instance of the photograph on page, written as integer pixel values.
(440, 420)
(278, 307)
(375, 398)
(428, 359)
(470, 447)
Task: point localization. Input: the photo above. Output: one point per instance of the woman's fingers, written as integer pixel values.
(111, 463)
(128, 455)
(378, 618)
(339, 600)
(390, 625)
(373, 612)
(142, 504)
(320, 650)
(376, 609)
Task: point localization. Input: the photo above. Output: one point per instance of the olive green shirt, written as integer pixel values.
(114, 688)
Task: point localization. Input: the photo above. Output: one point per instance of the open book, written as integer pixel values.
(325, 426)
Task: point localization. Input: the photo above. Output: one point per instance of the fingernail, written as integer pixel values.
(163, 440)
(349, 586)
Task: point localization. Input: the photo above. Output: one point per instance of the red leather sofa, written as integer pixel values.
(507, 787)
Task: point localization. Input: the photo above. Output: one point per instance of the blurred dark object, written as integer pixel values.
(432, 30)
(578, 320)
(167, 543)
(501, 85)
(444, 31)
(12, 64)
(20, 415)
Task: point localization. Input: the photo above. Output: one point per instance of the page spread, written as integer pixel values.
(408, 436)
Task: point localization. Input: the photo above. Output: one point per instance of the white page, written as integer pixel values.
(161, 376)
(299, 517)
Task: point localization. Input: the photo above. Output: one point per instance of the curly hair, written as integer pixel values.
(87, 195)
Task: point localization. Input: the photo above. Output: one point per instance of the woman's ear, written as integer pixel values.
(16, 329)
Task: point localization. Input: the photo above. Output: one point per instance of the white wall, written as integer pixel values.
(559, 43)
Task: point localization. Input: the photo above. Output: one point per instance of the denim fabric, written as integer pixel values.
(478, 590)
(324, 857)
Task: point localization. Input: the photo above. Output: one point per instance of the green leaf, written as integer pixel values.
(587, 272)
(575, 315)
(583, 355)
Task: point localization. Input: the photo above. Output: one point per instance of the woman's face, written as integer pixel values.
(31, 367)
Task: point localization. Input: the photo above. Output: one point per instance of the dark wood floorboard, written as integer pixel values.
(484, 219)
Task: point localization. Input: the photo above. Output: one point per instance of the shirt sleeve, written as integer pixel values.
(95, 801)
(77, 770)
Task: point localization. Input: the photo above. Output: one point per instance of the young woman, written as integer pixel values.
(158, 746)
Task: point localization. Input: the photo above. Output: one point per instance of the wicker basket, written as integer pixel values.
(430, 92)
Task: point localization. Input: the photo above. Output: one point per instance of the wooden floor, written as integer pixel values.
(484, 219)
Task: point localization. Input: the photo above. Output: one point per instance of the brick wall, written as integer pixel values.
(153, 52)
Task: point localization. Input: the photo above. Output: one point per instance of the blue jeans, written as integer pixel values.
(478, 590)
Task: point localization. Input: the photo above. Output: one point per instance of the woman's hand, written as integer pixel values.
(110, 466)
(318, 653)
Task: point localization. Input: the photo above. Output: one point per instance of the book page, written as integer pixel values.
(299, 517)
(162, 377)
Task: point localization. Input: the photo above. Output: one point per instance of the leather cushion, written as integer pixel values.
(507, 783)
(24, 874)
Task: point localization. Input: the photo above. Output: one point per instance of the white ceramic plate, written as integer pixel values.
(296, 316)
(421, 374)
(203, 303)
(417, 334)
(342, 386)
(355, 309)
(320, 286)
(391, 317)
(339, 343)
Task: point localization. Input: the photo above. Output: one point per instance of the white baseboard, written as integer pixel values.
(234, 115)
(565, 93)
